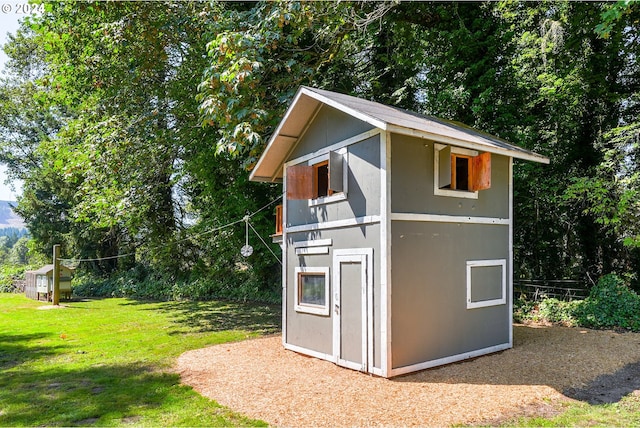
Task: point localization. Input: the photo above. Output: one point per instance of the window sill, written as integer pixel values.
(455, 193)
(328, 199)
(312, 309)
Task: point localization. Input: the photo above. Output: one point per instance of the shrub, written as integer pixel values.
(610, 304)
(10, 275)
(142, 282)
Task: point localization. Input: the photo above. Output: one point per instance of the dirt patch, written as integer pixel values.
(546, 367)
(48, 307)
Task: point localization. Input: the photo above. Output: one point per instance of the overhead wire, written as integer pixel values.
(215, 229)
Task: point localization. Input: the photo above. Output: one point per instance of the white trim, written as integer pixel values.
(334, 147)
(342, 196)
(468, 144)
(335, 224)
(447, 360)
(275, 134)
(438, 218)
(339, 106)
(456, 150)
(436, 173)
(314, 243)
(385, 256)
(502, 263)
(510, 264)
(309, 352)
(312, 250)
(363, 256)
(308, 308)
(285, 263)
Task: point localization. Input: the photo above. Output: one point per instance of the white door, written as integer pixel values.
(353, 308)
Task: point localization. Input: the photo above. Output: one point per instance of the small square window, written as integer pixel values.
(486, 283)
(460, 172)
(312, 290)
(321, 180)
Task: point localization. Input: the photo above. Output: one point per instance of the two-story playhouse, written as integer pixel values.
(397, 236)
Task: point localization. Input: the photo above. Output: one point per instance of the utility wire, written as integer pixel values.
(265, 244)
(216, 229)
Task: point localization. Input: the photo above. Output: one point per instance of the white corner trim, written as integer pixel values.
(385, 256)
(502, 263)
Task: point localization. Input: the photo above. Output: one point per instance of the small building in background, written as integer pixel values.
(39, 283)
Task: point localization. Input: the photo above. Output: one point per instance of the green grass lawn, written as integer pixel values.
(108, 362)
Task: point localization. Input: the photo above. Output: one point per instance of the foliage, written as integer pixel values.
(142, 282)
(133, 124)
(109, 362)
(611, 304)
(9, 274)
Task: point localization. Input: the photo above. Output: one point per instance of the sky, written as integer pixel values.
(10, 14)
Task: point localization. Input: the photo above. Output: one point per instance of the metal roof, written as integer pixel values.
(387, 118)
(44, 270)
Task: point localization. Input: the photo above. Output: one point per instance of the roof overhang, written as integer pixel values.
(307, 102)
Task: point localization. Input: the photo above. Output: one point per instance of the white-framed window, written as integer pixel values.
(486, 283)
(459, 172)
(321, 180)
(312, 290)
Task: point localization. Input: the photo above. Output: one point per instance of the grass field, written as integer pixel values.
(108, 362)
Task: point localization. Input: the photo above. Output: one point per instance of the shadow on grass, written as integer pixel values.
(16, 349)
(82, 397)
(72, 397)
(215, 316)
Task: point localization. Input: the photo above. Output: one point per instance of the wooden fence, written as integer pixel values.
(563, 289)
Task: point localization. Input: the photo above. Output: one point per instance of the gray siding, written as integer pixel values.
(430, 319)
(363, 194)
(412, 183)
(315, 332)
(329, 126)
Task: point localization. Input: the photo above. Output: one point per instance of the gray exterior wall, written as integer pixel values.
(412, 183)
(315, 332)
(429, 315)
(330, 126)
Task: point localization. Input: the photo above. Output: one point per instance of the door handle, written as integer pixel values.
(337, 309)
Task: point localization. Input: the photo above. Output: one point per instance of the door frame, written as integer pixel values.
(364, 256)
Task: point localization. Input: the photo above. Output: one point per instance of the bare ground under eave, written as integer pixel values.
(547, 365)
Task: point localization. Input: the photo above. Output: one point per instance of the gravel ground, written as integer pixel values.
(548, 365)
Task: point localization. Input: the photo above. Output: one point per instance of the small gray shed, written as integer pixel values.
(40, 282)
(397, 234)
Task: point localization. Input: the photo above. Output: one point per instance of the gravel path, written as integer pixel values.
(547, 365)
